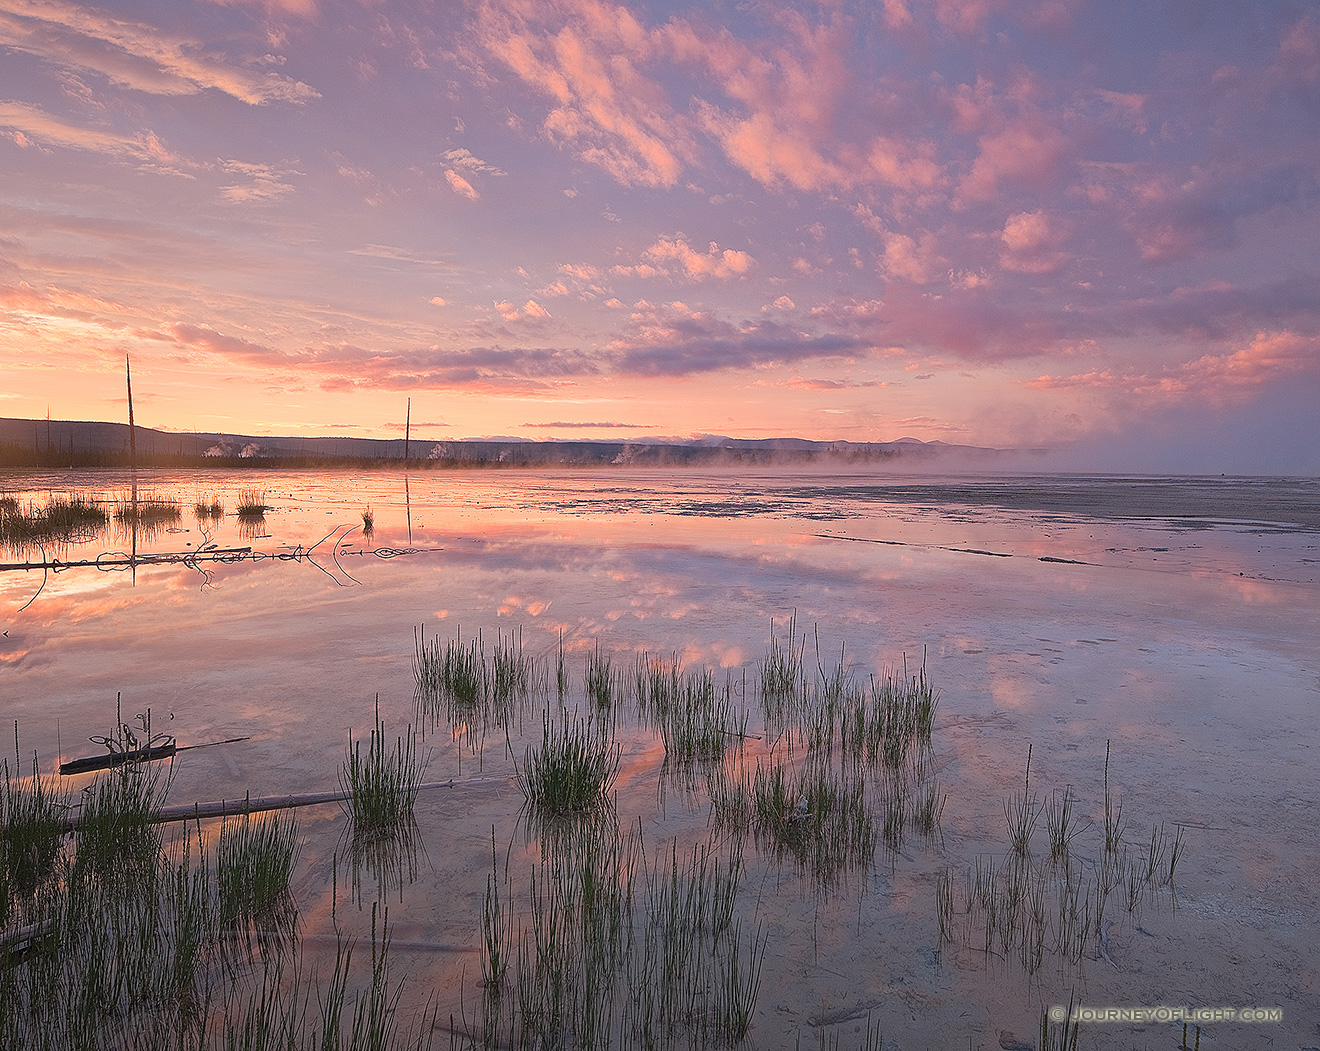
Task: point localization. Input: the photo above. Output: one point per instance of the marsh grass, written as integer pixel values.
(382, 832)
(561, 670)
(1113, 815)
(496, 935)
(255, 857)
(208, 506)
(368, 521)
(117, 841)
(149, 509)
(1059, 1036)
(1022, 811)
(251, 504)
(891, 722)
(133, 950)
(32, 818)
(929, 810)
(697, 722)
(781, 676)
(1062, 824)
(573, 770)
(600, 678)
(59, 519)
(614, 952)
(458, 681)
(1018, 906)
(816, 815)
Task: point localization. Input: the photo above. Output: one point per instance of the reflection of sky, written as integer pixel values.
(1203, 680)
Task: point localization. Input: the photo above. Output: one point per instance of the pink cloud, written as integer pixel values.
(460, 185)
(777, 108)
(137, 55)
(1217, 378)
(1032, 243)
(910, 259)
(1029, 153)
(714, 262)
(297, 8)
(592, 65)
(1299, 53)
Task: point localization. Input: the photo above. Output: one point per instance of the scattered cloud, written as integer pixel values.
(610, 425)
(1033, 242)
(460, 185)
(137, 55)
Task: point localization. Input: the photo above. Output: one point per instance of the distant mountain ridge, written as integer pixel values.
(91, 443)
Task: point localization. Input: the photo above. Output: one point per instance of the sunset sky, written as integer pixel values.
(1091, 226)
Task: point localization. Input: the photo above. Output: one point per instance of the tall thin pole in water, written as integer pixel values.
(132, 432)
(407, 430)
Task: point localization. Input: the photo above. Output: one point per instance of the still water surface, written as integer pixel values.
(1176, 619)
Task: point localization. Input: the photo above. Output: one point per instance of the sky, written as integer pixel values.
(1088, 227)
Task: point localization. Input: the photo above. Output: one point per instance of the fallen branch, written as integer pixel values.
(260, 804)
(136, 755)
(112, 759)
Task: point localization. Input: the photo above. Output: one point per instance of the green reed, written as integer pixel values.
(255, 857)
(59, 519)
(32, 818)
(208, 505)
(251, 504)
(573, 770)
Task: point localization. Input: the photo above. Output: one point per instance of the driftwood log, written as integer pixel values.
(260, 804)
(112, 759)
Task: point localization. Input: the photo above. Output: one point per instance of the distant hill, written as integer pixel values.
(53, 443)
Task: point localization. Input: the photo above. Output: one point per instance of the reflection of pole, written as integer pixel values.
(407, 428)
(407, 503)
(132, 464)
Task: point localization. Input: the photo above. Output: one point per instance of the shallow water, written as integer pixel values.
(1085, 611)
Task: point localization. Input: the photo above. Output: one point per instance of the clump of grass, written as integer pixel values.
(1113, 815)
(251, 504)
(32, 821)
(699, 723)
(944, 904)
(781, 670)
(116, 837)
(455, 673)
(656, 684)
(382, 785)
(208, 505)
(254, 866)
(455, 679)
(149, 509)
(368, 521)
(1062, 825)
(60, 519)
(1022, 812)
(572, 772)
(495, 929)
(929, 810)
(511, 671)
(813, 814)
(600, 678)
(1059, 1036)
(561, 670)
(898, 717)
